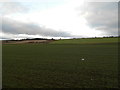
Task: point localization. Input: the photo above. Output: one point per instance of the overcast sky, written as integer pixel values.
(57, 18)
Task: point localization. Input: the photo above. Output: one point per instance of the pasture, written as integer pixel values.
(75, 63)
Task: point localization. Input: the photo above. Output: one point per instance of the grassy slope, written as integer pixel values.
(53, 65)
(87, 41)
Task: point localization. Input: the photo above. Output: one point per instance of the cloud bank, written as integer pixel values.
(15, 27)
(76, 17)
(102, 16)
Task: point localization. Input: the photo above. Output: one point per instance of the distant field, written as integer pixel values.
(87, 41)
(60, 64)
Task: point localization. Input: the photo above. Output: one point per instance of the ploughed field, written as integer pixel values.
(75, 63)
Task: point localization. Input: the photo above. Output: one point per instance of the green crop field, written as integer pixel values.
(87, 41)
(78, 63)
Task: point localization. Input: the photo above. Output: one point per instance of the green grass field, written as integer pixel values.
(60, 65)
(87, 41)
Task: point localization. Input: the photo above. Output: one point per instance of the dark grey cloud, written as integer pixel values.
(14, 27)
(102, 16)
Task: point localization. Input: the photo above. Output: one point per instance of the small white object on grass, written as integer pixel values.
(82, 59)
(91, 79)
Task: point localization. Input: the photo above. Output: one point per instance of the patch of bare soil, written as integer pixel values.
(26, 41)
